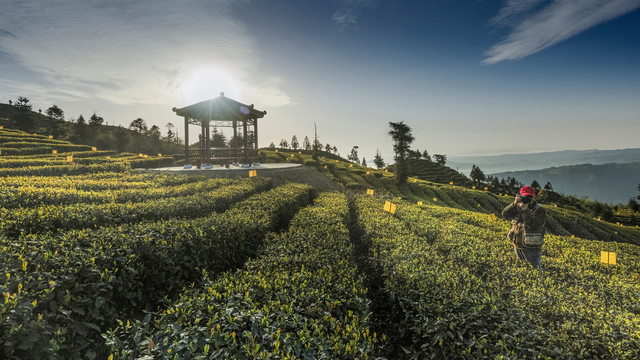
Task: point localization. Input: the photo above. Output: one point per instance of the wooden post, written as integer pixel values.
(255, 131)
(235, 134)
(186, 139)
(244, 141)
(207, 139)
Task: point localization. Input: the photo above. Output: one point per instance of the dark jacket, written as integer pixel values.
(527, 226)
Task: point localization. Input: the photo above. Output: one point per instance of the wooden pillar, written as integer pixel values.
(186, 139)
(255, 131)
(244, 141)
(207, 141)
(235, 134)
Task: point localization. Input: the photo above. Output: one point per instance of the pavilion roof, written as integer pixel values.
(220, 108)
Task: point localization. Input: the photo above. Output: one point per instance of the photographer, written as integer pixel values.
(527, 226)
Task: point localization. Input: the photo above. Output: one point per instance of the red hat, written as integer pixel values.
(528, 190)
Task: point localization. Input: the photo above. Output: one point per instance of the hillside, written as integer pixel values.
(432, 171)
(102, 262)
(109, 137)
(609, 183)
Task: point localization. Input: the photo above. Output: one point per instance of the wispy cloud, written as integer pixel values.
(539, 24)
(126, 52)
(348, 12)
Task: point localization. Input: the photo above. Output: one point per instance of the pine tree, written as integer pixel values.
(378, 160)
(402, 138)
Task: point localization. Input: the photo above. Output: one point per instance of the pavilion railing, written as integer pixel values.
(221, 156)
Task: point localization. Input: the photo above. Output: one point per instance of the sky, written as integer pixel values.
(470, 77)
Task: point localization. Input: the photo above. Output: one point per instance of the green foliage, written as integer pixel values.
(63, 290)
(458, 291)
(302, 297)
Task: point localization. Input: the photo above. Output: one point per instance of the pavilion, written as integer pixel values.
(221, 112)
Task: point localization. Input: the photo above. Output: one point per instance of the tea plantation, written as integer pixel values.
(102, 262)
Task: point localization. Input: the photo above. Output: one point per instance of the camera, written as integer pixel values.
(525, 199)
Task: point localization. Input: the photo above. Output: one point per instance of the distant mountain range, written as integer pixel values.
(609, 183)
(610, 176)
(536, 161)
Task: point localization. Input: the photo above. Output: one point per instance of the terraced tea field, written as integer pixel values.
(101, 262)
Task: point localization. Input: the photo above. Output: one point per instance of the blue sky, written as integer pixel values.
(469, 76)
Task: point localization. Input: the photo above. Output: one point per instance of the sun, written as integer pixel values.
(207, 83)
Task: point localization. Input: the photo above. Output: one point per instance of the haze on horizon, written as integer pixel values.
(469, 77)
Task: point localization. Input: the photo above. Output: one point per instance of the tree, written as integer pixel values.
(327, 148)
(535, 185)
(440, 159)
(306, 144)
(633, 205)
(284, 144)
(414, 154)
(378, 160)
(56, 120)
(170, 133)
(23, 104)
(95, 120)
(156, 144)
(23, 119)
(81, 120)
(138, 125)
(272, 145)
(402, 139)
(217, 138)
(364, 162)
(334, 149)
(426, 155)
(548, 186)
(476, 174)
(55, 113)
(353, 157)
(294, 143)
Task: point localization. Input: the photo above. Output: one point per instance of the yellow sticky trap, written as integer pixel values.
(350, 165)
(369, 191)
(50, 136)
(108, 158)
(486, 188)
(253, 173)
(325, 166)
(299, 152)
(70, 158)
(367, 173)
(54, 151)
(390, 207)
(608, 257)
(450, 182)
(473, 187)
(1, 127)
(435, 199)
(159, 155)
(93, 148)
(419, 202)
(141, 155)
(276, 150)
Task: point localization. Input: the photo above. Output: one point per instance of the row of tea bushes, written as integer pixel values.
(301, 298)
(30, 195)
(62, 291)
(460, 293)
(82, 215)
(102, 181)
(65, 170)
